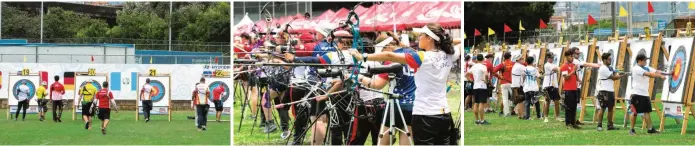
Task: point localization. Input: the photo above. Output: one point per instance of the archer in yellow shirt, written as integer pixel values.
(88, 92)
(41, 99)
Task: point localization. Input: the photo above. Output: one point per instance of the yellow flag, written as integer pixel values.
(563, 25)
(490, 32)
(521, 27)
(150, 59)
(464, 35)
(25, 58)
(691, 5)
(623, 12)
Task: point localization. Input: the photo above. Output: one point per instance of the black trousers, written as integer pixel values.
(571, 99)
(202, 111)
(22, 105)
(146, 108)
(283, 112)
(302, 112)
(432, 129)
(57, 109)
(339, 132)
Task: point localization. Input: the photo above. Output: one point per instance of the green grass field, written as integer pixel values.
(506, 131)
(256, 137)
(122, 130)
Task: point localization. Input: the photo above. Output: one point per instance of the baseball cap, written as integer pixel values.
(641, 57)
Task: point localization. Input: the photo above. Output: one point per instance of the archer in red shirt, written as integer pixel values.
(105, 99)
(56, 95)
(506, 68)
(216, 95)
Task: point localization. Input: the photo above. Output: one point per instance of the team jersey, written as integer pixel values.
(517, 75)
(104, 97)
(570, 83)
(41, 93)
(201, 93)
(640, 82)
(23, 92)
(550, 79)
(88, 91)
(322, 48)
(217, 92)
(531, 78)
(57, 91)
(405, 83)
(506, 68)
(146, 92)
(478, 71)
(431, 70)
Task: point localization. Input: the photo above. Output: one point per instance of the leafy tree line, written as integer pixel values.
(192, 22)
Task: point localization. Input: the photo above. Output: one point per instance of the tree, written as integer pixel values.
(139, 25)
(19, 24)
(212, 25)
(481, 15)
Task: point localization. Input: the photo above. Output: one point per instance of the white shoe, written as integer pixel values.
(559, 119)
(546, 120)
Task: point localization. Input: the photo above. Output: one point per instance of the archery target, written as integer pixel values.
(516, 54)
(160, 100)
(497, 60)
(678, 64)
(82, 81)
(535, 53)
(557, 53)
(32, 83)
(638, 47)
(612, 48)
(226, 101)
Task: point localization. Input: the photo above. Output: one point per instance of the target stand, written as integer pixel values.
(687, 83)
(161, 86)
(82, 78)
(586, 79)
(15, 80)
(217, 79)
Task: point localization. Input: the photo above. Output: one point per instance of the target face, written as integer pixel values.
(30, 84)
(216, 84)
(497, 61)
(158, 90)
(677, 63)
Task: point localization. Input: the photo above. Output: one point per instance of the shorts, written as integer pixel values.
(518, 93)
(606, 99)
(480, 95)
(218, 105)
(432, 129)
(640, 104)
(86, 109)
(104, 113)
(553, 93)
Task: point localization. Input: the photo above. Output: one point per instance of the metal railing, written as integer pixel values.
(114, 59)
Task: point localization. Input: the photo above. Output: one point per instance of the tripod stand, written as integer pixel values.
(391, 104)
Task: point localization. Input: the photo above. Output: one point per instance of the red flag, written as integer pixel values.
(92, 58)
(216, 59)
(650, 8)
(477, 33)
(592, 21)
(543, 25)
(506, 28)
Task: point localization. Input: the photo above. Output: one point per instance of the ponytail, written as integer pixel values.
(446, 42)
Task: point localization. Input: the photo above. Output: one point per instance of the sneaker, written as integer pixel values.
(86, 125)
(500, 114)
(652, 131)
(559, 119)
(15, 119)
(251, 117)
(60, 120)
(204, 128)
(599, 129)
(477, 122)
(546, 120)
(147, 120)
(632, 132)
(103, 131)
(270, 128)
(262, 124)
(576, 127)
(484, 122)
(285, 134)
(200, 129)
(612, 128)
